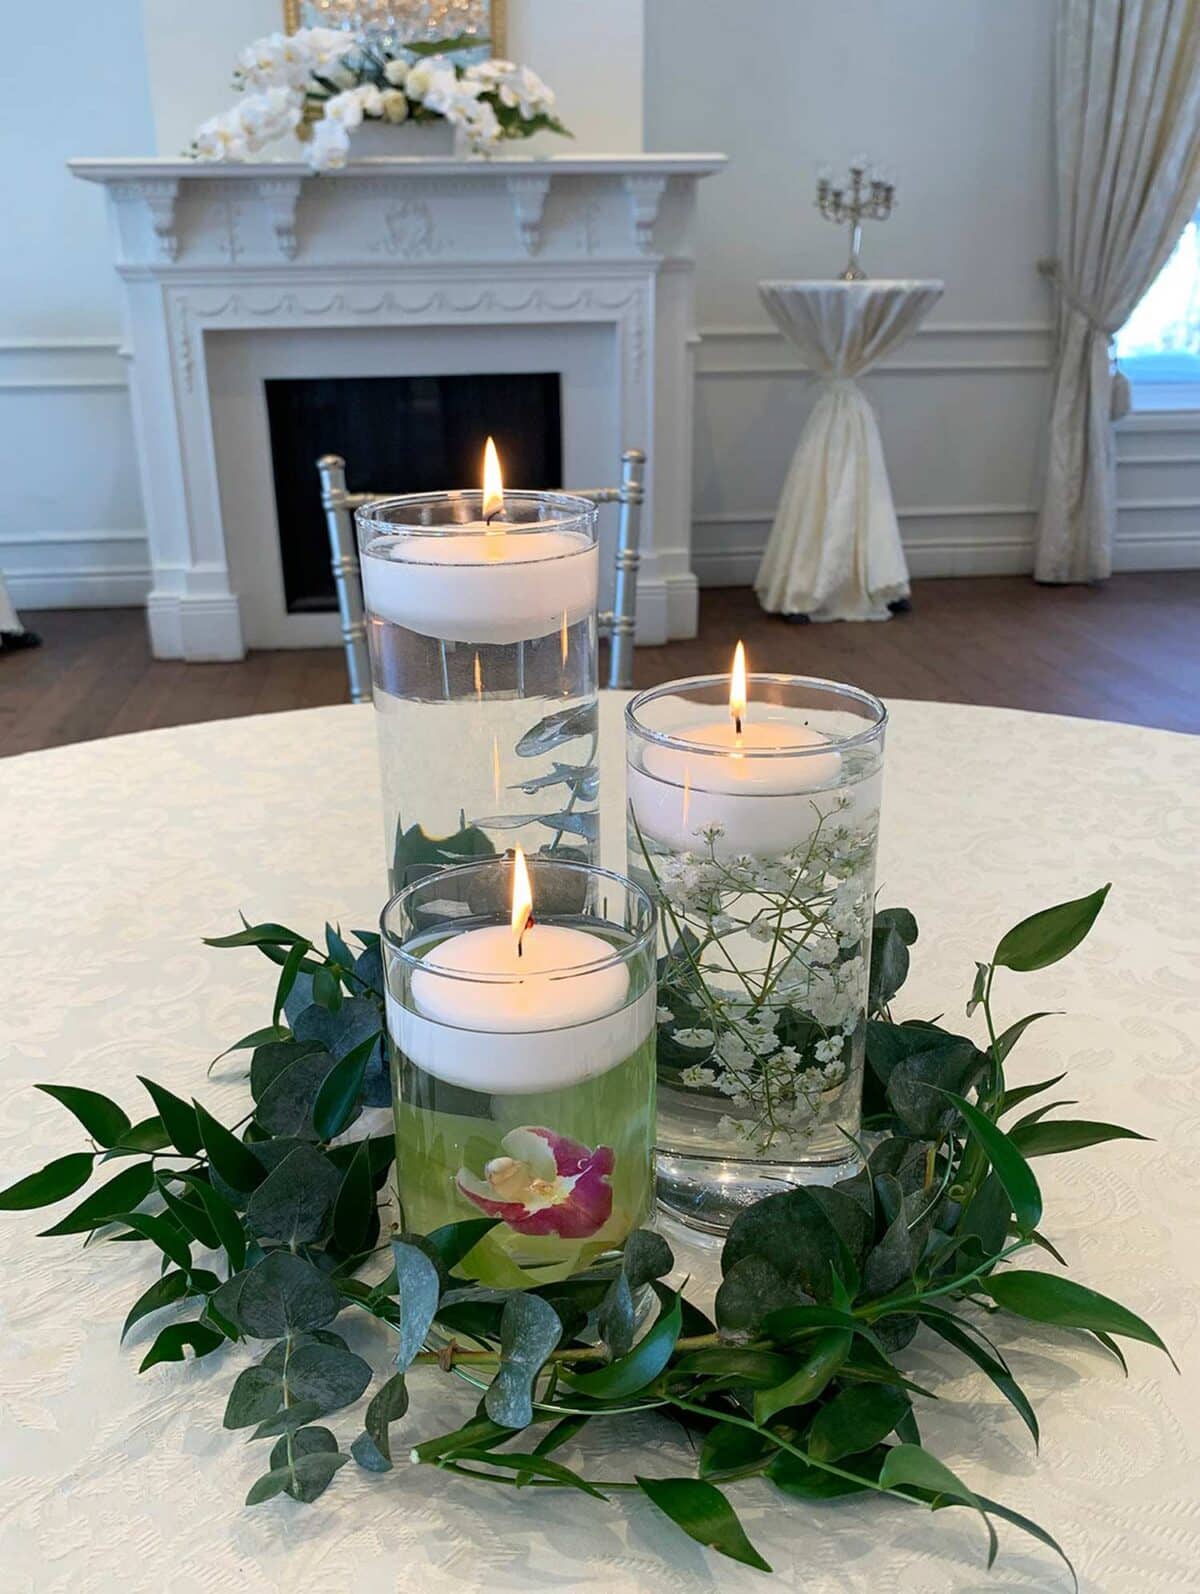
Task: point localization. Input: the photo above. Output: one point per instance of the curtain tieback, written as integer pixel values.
(1084, 307)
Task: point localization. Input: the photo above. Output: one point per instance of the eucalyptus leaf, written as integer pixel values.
(294, 1203)
(646, 1256)
(285, 1106)
(284, 1294)
(558, 728)
(304, 1442)
(329, 1375)
(372, 1450)
(529, 1331)
(418, 1287)
(751, 1291)
(305, 1480)
(793, 1233)
(704, 1514)
(357, 1019)
(288, 1419)
(257, 1394)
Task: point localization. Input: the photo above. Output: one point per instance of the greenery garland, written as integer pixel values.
(795, 1379)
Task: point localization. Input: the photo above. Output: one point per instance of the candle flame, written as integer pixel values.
(737, 687)
(493, 483)
(478, 679)
(564, 640)
(522, 899)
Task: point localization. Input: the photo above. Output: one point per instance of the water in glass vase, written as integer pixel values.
(568, 1173)
(762, 1001)
(485, 746)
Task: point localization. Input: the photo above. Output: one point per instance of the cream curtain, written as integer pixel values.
(1128, 131)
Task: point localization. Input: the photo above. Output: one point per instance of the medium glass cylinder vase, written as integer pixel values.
(757, 838)
(523, 1072)
(482, 634)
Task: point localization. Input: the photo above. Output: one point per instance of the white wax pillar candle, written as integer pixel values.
(478, 584)
(483, 1017)
(763, 805)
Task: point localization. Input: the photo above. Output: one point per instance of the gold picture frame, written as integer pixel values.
(497, 33)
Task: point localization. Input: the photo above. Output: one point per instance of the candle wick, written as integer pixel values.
(521, 938)
(487, 519)
(737, 723)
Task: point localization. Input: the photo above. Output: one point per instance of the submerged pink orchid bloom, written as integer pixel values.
(544, 1184)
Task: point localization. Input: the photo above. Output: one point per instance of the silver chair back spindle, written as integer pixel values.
(347, 578)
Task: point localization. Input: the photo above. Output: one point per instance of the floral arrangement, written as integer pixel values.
(319, 76)
(769, 1025)
(792, 1381)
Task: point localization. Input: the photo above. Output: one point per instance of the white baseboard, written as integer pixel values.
(77, 589)
(199, 628)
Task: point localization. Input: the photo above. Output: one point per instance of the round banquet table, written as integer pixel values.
(118, 856)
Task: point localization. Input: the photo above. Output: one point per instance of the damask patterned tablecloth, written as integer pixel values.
(116, 857)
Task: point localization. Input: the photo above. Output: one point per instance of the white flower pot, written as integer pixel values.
(433, 140)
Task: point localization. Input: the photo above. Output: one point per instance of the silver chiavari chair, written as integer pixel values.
(618, 623)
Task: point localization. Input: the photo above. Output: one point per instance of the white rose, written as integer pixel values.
(396, 73)
(371, 100)
(395, 105)
(345, 109)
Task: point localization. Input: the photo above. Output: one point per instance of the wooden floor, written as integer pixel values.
(1128, 651)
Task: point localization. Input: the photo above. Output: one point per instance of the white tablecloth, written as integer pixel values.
(119, 855)
(834, 552)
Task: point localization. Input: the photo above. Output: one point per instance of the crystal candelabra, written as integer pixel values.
(869, 198)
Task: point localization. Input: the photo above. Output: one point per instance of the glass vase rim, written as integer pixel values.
(839, 744)
(639, 940)
(578, 514)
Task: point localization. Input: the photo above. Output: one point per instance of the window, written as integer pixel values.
(1159, 346)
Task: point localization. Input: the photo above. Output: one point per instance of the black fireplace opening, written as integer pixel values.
(398, 434)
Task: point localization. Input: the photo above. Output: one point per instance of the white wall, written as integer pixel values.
(955, 97)
(71, 517)
(954, 94)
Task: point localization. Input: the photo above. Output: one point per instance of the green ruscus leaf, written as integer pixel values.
(1055, 1135)
(1009, 1165)
(1047, 936)
(231, 1159)
(102, 1119)
(704, 1514)
(630, 1374)
(912, 1467)
(130, 1187)
(178, 1116)
(176, 1338)
(1049, 1298)
(338, 1098)
(55, 1182)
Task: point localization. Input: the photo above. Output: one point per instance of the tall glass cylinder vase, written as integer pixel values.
(483, 658)
(757, 838)
(523, 1069)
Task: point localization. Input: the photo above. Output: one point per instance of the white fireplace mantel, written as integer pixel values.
(402, 247)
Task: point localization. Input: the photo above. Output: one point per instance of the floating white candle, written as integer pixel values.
(528, 1008)
(486, 580)
(709, 776)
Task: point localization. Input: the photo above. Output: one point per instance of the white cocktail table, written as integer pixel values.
(834, 552)
(119, 855)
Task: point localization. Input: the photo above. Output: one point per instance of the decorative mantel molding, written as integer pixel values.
(404, 246)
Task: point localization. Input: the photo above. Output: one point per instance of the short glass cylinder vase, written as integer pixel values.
(483, 661)
(523, 1081)
(757, 839)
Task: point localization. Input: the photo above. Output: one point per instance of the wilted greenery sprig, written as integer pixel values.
(796, 1379)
